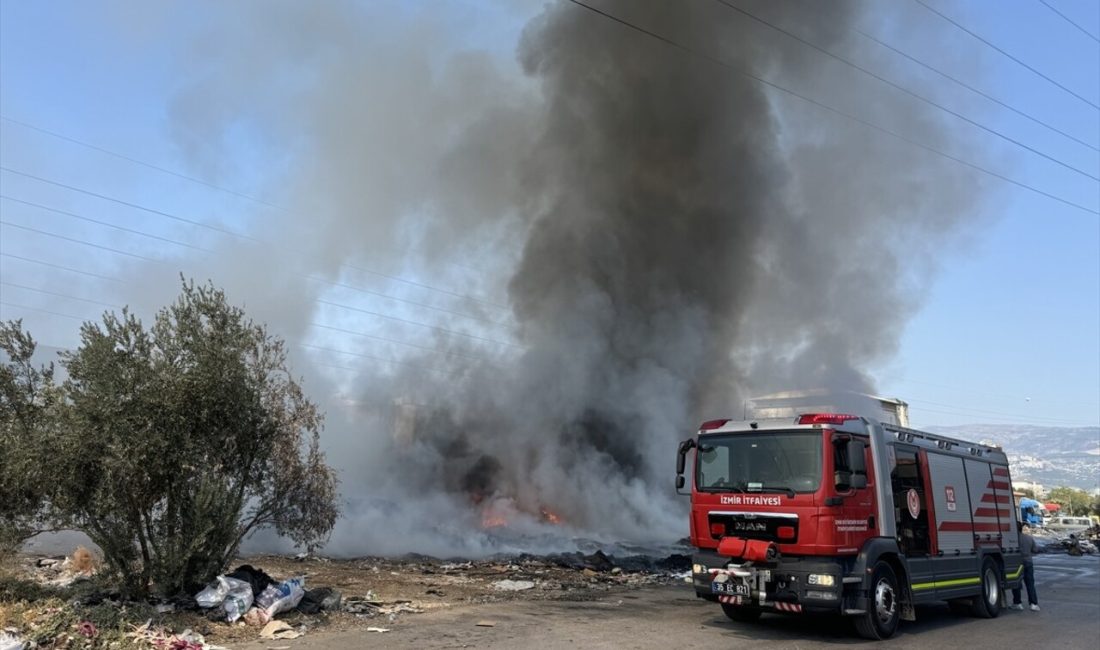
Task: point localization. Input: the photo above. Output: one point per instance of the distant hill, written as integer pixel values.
(1052, 456)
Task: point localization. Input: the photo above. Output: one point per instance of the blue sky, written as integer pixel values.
(1009, 331)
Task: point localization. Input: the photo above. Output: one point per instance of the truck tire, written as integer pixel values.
(880, 621)
(987, 604)
(741, 613)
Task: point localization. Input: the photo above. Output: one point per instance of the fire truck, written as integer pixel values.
(829, 512)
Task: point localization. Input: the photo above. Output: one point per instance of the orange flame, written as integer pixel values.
(550, 516)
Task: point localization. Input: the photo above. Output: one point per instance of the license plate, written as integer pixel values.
(730, 588)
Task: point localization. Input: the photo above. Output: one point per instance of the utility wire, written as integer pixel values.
(60, 295)
(424, 348)
(234, 234)
(105, 223)
(975, 90)
(899, 87)
(1068, 20)
(1004, 53)
(58, 266)
(298, 343)
(80, 241)
(417, 323)
(208, 251)
(44, 311)
(200, 181)
(829, 108)
(136, 161)
(143, 208)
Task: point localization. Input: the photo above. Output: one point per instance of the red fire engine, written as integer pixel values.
(827, 512)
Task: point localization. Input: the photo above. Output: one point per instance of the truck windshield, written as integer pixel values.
(759, 462)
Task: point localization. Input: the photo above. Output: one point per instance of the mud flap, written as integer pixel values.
(908, 611)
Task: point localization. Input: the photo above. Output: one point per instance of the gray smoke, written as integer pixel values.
(666, 236)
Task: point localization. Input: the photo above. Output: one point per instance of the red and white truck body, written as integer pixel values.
(827, 512)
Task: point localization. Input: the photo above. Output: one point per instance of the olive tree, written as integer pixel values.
(28, 409)
(181, 439)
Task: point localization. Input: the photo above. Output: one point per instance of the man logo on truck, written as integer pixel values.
(842, 514)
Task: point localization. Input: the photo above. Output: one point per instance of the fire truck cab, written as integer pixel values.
(829, 512)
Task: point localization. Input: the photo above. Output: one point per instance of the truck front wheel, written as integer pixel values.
(880, 621)
(741, 613)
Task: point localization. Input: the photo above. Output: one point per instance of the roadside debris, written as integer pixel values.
(513, 585)
(485, 624)
(10, 640)
(279, 630)
(378, 629)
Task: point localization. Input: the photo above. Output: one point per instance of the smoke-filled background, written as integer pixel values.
(519, 274)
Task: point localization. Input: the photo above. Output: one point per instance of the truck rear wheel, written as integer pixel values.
(741, 613)
(987, 604)
(880, 621)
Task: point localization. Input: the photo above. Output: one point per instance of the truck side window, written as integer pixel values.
(913, 534)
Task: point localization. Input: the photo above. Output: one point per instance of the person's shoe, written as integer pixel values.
(1034, 608)
(1018, 606)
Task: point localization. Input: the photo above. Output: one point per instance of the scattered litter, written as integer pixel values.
(378, 629)
(322, 599)
(10, 640)
(254, 577)
(87, 629)
(513, 585)
(165, 608)
(485, 624)
(279, 630)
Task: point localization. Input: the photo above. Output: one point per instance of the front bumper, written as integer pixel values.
(785, 585)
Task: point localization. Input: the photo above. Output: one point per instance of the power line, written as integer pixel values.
(59, 295)
(45, 311)
(58, 266)
(970, 411)
(307, 277)
(974, 90)
(105, 223)
(143, 163)
(128, 204)
(80, 241)
(413, 322)
(235, 234)
(905, 90)
(1068, 20)
(136, 161)
(831, 109)
(411, 302)
(314, 324)
(1003, 52)
(425, 348)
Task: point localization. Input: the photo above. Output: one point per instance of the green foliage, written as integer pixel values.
(176, 441)
(1074, 502)
(28, 411)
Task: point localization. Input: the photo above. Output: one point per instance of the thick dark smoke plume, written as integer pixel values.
(666, 235)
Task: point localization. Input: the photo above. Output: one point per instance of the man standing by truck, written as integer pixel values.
(1028, 547)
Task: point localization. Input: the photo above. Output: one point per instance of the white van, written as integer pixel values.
(1067, 525)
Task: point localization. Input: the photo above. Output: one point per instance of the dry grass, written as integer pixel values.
(83, 562)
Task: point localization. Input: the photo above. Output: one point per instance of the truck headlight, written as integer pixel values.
(822, 579)
(698, 568)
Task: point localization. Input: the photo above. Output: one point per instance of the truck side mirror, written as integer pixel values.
(679, 481)
(681, 456)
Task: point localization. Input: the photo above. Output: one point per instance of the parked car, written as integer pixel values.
(1067, 525)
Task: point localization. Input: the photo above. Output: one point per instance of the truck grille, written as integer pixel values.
(750, 525)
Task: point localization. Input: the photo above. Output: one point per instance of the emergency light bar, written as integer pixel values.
(825, 418)
(712, 424)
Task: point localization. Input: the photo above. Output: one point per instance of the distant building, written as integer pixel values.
(1035, 488)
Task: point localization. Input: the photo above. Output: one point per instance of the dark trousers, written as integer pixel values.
(1029, 582)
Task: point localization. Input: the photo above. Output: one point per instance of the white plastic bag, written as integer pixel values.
(214, 594)
(238, 600)
(282, 598)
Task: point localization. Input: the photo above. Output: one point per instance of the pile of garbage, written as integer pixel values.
(251, 595)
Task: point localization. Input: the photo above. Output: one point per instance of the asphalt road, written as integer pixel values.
(666, 617)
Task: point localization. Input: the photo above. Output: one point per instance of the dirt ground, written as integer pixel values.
(47, 594)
